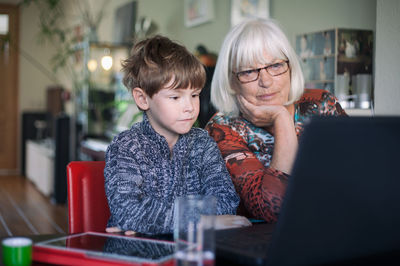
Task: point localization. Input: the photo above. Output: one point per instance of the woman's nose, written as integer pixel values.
(265, 79)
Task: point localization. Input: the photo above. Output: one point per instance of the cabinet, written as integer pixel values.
(40, 165)
(47, 159)
(339, 60)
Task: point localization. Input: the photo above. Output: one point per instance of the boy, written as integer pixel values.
(163, 157)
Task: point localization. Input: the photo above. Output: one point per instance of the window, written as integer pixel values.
(3, 24)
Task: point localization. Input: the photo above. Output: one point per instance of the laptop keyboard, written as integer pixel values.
(244, 246)
(253, 239)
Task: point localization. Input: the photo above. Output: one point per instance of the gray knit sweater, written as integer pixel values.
(143, 178)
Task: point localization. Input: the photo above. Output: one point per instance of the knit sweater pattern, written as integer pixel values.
(143, 177)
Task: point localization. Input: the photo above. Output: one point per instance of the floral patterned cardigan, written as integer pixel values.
(247, 151)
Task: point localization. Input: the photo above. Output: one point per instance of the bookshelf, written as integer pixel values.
(340, 61)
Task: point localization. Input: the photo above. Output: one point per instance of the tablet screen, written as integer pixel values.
(114, 247)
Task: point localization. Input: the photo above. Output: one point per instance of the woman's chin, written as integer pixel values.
(269, 103)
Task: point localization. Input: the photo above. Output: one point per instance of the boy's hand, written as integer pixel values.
(118, 230)
(113, 230)
(129, 233)
(230, 221)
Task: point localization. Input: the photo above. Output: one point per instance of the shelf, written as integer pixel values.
(337, 60)
(359, 112)
(360, 59)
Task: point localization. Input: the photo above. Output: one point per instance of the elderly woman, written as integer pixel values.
(258, 90)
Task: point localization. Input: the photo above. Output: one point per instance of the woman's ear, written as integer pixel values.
(140, 98)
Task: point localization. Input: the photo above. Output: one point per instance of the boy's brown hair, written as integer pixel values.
(155, 61)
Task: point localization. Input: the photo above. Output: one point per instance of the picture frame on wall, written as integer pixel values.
(197, 12)
(244, 9)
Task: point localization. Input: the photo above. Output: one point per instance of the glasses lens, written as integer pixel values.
(247, 76)
(252, 74)
(278, 68)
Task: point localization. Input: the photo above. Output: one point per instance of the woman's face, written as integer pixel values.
(267, 89)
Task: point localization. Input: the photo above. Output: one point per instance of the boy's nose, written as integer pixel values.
(189, 105)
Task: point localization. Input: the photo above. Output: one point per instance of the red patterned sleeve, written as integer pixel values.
(322, 102)
(261, 189)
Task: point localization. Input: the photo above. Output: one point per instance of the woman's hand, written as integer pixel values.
(261, 115)
(230, 221)
(277, 120)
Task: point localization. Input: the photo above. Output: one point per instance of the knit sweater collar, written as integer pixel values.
(160, 141)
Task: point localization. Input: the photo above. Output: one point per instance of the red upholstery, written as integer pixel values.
(87, 203)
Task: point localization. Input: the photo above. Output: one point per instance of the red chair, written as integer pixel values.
(87, 203)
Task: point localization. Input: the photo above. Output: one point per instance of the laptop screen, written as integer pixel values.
(343, 199)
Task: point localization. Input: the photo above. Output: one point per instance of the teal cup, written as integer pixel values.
(17, 251)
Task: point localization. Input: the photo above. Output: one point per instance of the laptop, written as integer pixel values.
(342, 204)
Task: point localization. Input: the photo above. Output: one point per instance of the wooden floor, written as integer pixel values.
(25, 211)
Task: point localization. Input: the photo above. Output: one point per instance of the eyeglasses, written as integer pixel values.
(274, 70)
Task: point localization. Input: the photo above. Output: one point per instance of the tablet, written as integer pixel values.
(91, 248)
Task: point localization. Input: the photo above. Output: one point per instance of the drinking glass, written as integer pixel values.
(194, 230)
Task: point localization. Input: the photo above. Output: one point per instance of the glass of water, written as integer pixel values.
(194, 230)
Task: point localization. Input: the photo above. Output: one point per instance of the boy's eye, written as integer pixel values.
(195, 95)
(174, 97)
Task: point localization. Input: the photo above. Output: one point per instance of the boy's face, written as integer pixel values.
(173, 112)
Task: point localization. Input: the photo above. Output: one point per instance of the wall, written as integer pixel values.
(168, 16)
(314, 15)
(211, 34)
(294, 16)
(34, 69)
(387, 78)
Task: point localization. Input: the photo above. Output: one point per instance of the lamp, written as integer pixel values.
(92, 65)
(106, 60)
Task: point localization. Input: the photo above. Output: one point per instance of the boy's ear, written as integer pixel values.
(140, 98)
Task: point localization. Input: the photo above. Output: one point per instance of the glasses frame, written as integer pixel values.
(259, 70)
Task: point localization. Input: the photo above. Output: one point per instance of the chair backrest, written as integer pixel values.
(87, 203)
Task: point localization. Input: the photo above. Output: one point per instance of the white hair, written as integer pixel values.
(246, 45)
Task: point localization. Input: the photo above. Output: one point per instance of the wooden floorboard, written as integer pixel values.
(25, 211)
(12, 218)
(13, 221)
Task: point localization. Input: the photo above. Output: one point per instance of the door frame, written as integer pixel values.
(13, 12)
